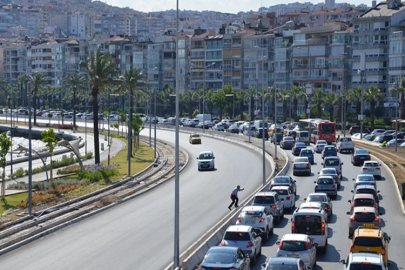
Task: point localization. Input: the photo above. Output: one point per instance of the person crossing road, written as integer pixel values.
(234, 197)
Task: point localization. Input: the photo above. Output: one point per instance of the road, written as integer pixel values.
(339, 244)
(139, 234)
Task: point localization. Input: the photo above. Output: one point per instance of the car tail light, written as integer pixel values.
(323, 228)
(373, 184)
(333, 186)
(273, 206)
(376, 218)
(280, 246)
(288, 197)
(383, 251)
(261, 220)
(377, 169)
(292, 227)
(367, 156)
(352, 249)
(239, 219)
(364, 169)
(356, 184)
(306, 246)
(326, 207)
(249, 244)
(340, 167)
(271, 186)
(352, 218)
(224, 243)
(316, 186)
(307, 165)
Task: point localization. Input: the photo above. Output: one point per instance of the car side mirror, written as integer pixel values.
(322, 164)
(294, 181)
(278, 242)
(349, 201)
(380, 214)
(347, 213)
(292, 161)
(305, 199)
(342, 163)
(318, 172)
(342, 262)
(197, 157)
(353, 179)
(213, 157)
(316, 244)
(352, 191)
(378, 191)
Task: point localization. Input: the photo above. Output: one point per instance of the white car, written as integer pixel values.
(258, 217)
(218, 127)
(333, 162)
(302, 166)
(364, 261)
(287, 195)
(345, 144)
(377, 132)
(206, 161)
(314, 205)
(297, 246)
(319, 145)
(371, 167)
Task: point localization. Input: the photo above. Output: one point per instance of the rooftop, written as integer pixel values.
(381, 10)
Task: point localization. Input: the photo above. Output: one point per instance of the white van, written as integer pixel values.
(311, 222)
(303, 136)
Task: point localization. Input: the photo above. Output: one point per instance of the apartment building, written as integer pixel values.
(281, 68)
(184, 62)
(214, 62)
(233, 59)
(80, 25)
(197, 58)
(169, 59)
(16, 60)
(155, 65)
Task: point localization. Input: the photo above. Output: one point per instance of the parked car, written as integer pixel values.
(359, 156)
(369, 137)
(392, 142)
(217, 257)
(218, 127)
(383, 138)
(378, 132)
(356, 129)
(233, 129)
(287, 143)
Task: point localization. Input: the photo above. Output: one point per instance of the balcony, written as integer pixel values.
(214, 78)
(339, 79)
(197, 78)
(300, 66)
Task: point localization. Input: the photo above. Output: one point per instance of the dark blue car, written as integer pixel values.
(329, 151)
(297, 148)
(307, 152)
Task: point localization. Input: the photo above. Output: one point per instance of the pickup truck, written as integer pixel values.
(345, 144)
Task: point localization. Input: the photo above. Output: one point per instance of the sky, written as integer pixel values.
(226, 6)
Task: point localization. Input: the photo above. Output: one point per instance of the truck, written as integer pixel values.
(202, 117)
(345, 144)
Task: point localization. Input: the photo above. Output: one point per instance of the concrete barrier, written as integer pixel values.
(192, 256)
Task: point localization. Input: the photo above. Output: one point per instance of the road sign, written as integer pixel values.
(361, 117)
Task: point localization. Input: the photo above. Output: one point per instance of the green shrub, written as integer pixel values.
(96, 172)
(18, 173)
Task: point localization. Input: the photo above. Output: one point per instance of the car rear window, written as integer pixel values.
(301, 160)
(288, 139)
(364, 217)
(368, 241)
(303, 134)
(373, 165)
(316, 198)
(363, 202)
(364, 266)
(366, 191)
(237, 236)
(282, 267)
(328, 171)
(330, 148)
(220, 258)
(361, 152)
(251, 214)
(325, 181)
(332, 162)
(264, 199)
(293, 245)
(345, 139)
(282, 180)
(308, 224)
(280, 191)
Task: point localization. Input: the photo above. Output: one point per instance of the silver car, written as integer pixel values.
(244, 237)
(299, 246)
(287, 143)
(331, 172)
(324, 200)
(272, 201)
(285, 263)
(302, 166)
(365, 179)
(363, 216)
(327, 185)
(333, 162)
(258, 217)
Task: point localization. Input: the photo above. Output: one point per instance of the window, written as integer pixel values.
(293, 245)
(264, 199)
(308, 224)
(368, 241)
(237, 236)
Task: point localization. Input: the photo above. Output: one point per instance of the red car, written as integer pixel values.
(39, 113)
(356, 129)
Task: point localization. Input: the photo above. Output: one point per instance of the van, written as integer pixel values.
(311, 222)
(303, 136)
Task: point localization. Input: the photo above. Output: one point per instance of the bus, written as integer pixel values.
(319, 129)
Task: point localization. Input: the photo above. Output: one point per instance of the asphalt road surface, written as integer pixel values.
(338, 242)
(139, 234)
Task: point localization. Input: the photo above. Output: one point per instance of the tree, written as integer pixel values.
(272, 97)
(284, 97)
(5, 146)
(318, 98)
(219, 100)
(401, 90)
(49, 138)
(166, 97)
(22, 81)
(251, 94)
(99, 69)
(354, 95)
(74, 83)
(137, 127)
(190, 98)
(241, 97)
(37, 80)
(208, 100)
(330, 101)
(373, 95)
(295, 94)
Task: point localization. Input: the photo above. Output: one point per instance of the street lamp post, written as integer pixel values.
(154, 120)
(396, 86)
(263, 142)
(362, 75)
(29, 153)
(203, 125)
(275, 122)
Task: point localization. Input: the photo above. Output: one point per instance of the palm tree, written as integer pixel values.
(354, 95)
(99, 69)
(131, 81)
(306, 97)
(74, 83)
(330, 101)
(241, 97)
(401, 90)
(373, 95)
(273, 96)
(318, 98)
(165, 96)
(295, 94)
(251, 94)
(38, 80)
(190, 98)
(23, 80)
(284, 97)
(208, 100)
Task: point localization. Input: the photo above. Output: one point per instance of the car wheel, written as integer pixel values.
(253, 259)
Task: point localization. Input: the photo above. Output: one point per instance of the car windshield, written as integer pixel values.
(301, 160)
(282, 267)
(325, 181)
(365, 178)
(220, 258)
(321, 142)
(280, 191)
(237, 236)
(304, 134)
(316, 198)
(332, 162)
(328, 171)
(361, 152)
(371, 164)
(282, 180)
(362, 266)
(327, 129)
(368, 241)
(288, 139)
(298, 145)
(365, 191)
(205, 156)
(330, 148)
(263, 199)
(293, 246)
(363, 202)
(308, 224)
(251, 213)
(195, 136)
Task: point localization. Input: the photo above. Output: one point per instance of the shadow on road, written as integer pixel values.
(338, 198)
(330, 232)
(381, 210)
(331, 255)
(333, 219)
(282, 223)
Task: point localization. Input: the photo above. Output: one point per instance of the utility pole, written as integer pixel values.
(29, 153)
(362, 75)
(154, 121)
(396, 86)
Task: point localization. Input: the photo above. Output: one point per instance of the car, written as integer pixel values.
(359, 156)
(383, 138)
(282, 263)
(392, 142)
(287, 195)
(233, 129)
(326, 184)
(284, 180)
(331, 172)
(356, 129)
(259, 133)
(244, 237)
(363, 200)
(345, 144)
(320, 145)
(400, 135)
(389, 132)
(272, 201)
(218, 127)
(363, 261)
(276, 138)
(367, 189)
(194, 138)
(333, 162)
(372, 167)
(307, 152)
(324, 199)
(378, 131)
(311, 222)
(297, 148)
(302, 166)
(250, 131)
(206, 161)
(298, 246)
(363, 217)
(370, 240)
(303, 136)
(369, 137)
(258, 217)
(315, 205)
(287, 143)
(217, 257)
(290, 133)
(364, 179)
(329, 151)
(359, 136)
